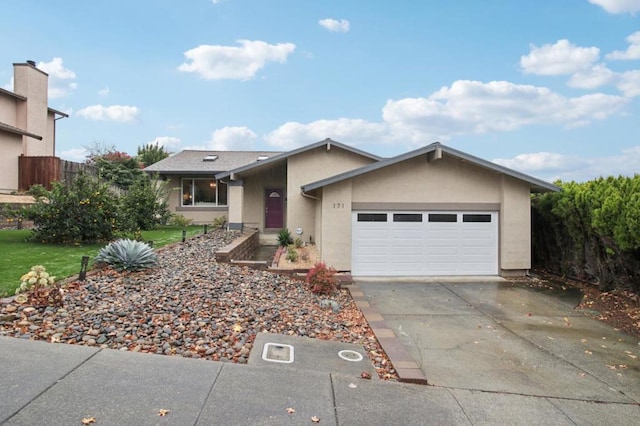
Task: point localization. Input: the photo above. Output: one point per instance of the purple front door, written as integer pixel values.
(274, 208)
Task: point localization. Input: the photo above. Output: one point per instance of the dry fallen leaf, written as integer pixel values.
(365, 375)
(588, 352)
(162, 412)
(290, 410)
(583, 340)
(566, 322)
(612, 367)
(632, 356)
(88, 420)
(315, 419)
(583, 374)
(353, 385)
(237, 328)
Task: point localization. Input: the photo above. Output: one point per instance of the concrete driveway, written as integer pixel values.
(501, 337)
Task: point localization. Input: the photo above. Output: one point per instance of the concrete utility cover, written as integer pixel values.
(278, 352)
(311, 354)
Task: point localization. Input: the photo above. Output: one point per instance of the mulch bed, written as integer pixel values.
(618, 308)
(193, 307)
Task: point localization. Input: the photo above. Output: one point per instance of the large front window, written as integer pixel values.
(203, 193)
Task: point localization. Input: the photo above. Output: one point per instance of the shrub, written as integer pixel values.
(322, 279)
(298, 242)
(145, 206)
(127, 255)
(179, 220)
(284, 237)
(84, 211)
(292, 253)
(41, 288)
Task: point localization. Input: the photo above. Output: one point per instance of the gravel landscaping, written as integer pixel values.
(193, 307)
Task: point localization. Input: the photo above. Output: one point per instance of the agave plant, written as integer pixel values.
(127, 255)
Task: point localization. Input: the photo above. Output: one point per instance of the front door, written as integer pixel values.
(274, 208)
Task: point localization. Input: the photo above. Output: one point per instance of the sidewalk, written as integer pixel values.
(58, 384)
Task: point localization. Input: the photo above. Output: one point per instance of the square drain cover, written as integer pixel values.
(277, 352)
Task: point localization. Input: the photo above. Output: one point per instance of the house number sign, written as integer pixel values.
(338, 205)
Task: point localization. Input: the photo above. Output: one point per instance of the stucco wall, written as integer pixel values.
(515, 225)
(253, 210)
(11, 147)
(335, 246)
(8, 109)
(416, 180)
(449, 182)
(311, 166)
(33, 84)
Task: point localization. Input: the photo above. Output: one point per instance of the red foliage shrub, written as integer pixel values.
(322, 279)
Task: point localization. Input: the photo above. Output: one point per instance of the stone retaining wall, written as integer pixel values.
(242, 248)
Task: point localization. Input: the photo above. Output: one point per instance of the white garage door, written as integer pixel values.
(424, 243)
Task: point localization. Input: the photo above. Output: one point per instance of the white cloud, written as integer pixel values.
(355, 131)
(597, 76)
(618, 6)
(632, 52)
(540, 161)
(60, 78)
(468, 107)
(629, 83)
(104, 91)
(74, 154)
(465, 107)
(120, 113)
(563, 57)
(553, 166)
(335, 25)
(232, 139)
(242, 62)
(169, 143)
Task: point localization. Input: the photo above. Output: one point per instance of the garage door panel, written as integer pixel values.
(425, 243)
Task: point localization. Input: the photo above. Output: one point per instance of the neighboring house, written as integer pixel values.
(429, 212)
(27, 124)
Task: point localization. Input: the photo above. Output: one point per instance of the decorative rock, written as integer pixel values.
(189, 306)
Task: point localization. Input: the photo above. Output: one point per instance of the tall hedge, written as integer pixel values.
(590, 231)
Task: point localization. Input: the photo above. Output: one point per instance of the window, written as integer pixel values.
(443, 217)
(407, 217)
(372, 217)
(476, 218)
(203, 193)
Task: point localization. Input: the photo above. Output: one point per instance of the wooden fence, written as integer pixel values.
(44, 170)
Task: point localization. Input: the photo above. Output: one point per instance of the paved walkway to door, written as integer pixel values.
(501, 338)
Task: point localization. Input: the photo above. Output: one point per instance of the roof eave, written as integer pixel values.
(285, 155)
(57, 112)
(17, 131)
(537, 185)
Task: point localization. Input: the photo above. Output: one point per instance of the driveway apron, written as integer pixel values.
(507, 338)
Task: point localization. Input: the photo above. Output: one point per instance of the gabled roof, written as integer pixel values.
(192, 162)
(536, 184)
(17, 131)
(283, 156)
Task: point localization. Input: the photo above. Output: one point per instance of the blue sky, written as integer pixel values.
(550, 88)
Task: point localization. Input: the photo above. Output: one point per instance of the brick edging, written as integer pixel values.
(407, 369)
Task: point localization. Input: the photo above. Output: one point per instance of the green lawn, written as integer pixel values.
(17, 255)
